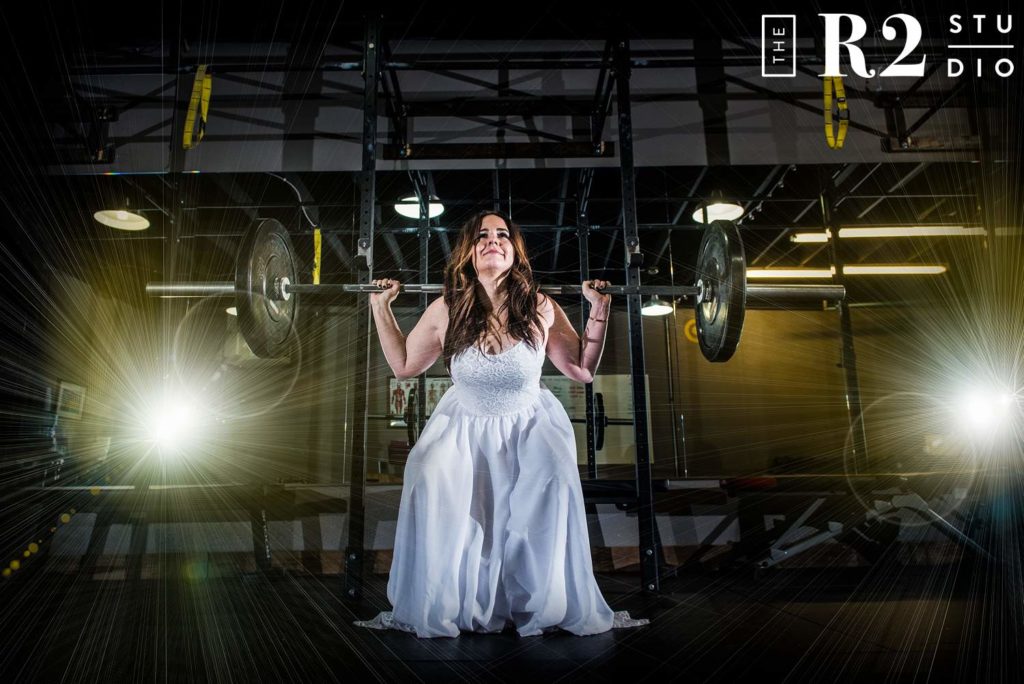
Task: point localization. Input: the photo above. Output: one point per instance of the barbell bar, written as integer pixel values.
(766, 292)
(267, 268)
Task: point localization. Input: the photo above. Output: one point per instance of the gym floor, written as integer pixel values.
(889, 623)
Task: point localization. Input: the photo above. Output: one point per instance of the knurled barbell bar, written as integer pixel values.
(227, 289)
(266, 278)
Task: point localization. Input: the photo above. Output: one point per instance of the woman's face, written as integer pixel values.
(493, 253)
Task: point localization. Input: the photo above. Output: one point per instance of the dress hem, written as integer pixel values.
(386, 621)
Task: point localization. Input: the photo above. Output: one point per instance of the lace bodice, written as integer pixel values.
(497, 384)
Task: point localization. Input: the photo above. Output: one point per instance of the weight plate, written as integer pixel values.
(600, 420)
(265, 318)
(722, 291)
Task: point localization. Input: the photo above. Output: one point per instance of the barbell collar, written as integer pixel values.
(282, 289)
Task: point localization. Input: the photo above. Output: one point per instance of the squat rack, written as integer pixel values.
(613, 86)
(615, 71)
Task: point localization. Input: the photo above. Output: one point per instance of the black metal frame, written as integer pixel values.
(646, 523)
(586, 178)
(355, 548)
(619, 76)
(858, 458)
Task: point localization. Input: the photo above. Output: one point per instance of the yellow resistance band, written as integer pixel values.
(835, 138)
(198, 105)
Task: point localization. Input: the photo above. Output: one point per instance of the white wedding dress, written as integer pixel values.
(492, 527)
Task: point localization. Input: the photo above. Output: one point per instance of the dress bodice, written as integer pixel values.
(494, 384)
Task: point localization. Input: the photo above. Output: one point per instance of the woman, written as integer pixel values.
(492, 526)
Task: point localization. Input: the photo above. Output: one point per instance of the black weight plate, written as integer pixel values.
(266, 321)
(722, 267)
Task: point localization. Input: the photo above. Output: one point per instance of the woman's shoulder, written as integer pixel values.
(437, 311)
(546, 307)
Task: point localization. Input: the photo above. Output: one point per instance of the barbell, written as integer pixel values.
(267, 282)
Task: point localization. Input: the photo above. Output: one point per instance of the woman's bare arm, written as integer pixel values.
(578, 358)
(412, 355)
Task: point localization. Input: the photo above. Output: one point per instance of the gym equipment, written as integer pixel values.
(721, 291)
(267, 280)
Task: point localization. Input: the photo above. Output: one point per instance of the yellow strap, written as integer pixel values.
(316, 256)
(836, 136)
(198, 106)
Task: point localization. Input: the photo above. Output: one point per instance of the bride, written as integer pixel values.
(492, 528)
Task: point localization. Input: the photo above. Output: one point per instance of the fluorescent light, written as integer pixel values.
(121, 219)
(812, 237)
(232, 311)
(410, 207)
(718, 210)
(656, 307)
(763, 273)
(889, 231)
(853, 269)
(894, 269)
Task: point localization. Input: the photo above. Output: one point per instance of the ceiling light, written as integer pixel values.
(410, 207)
(232, 311)
(888, 231)
(656, 307)
(121, 219)
(765, 273)
(718, 209)
(894, 269)
(812, 237)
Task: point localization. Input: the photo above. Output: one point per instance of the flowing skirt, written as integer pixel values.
(492, 528)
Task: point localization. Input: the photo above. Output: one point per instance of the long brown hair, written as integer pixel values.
(469, 308)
